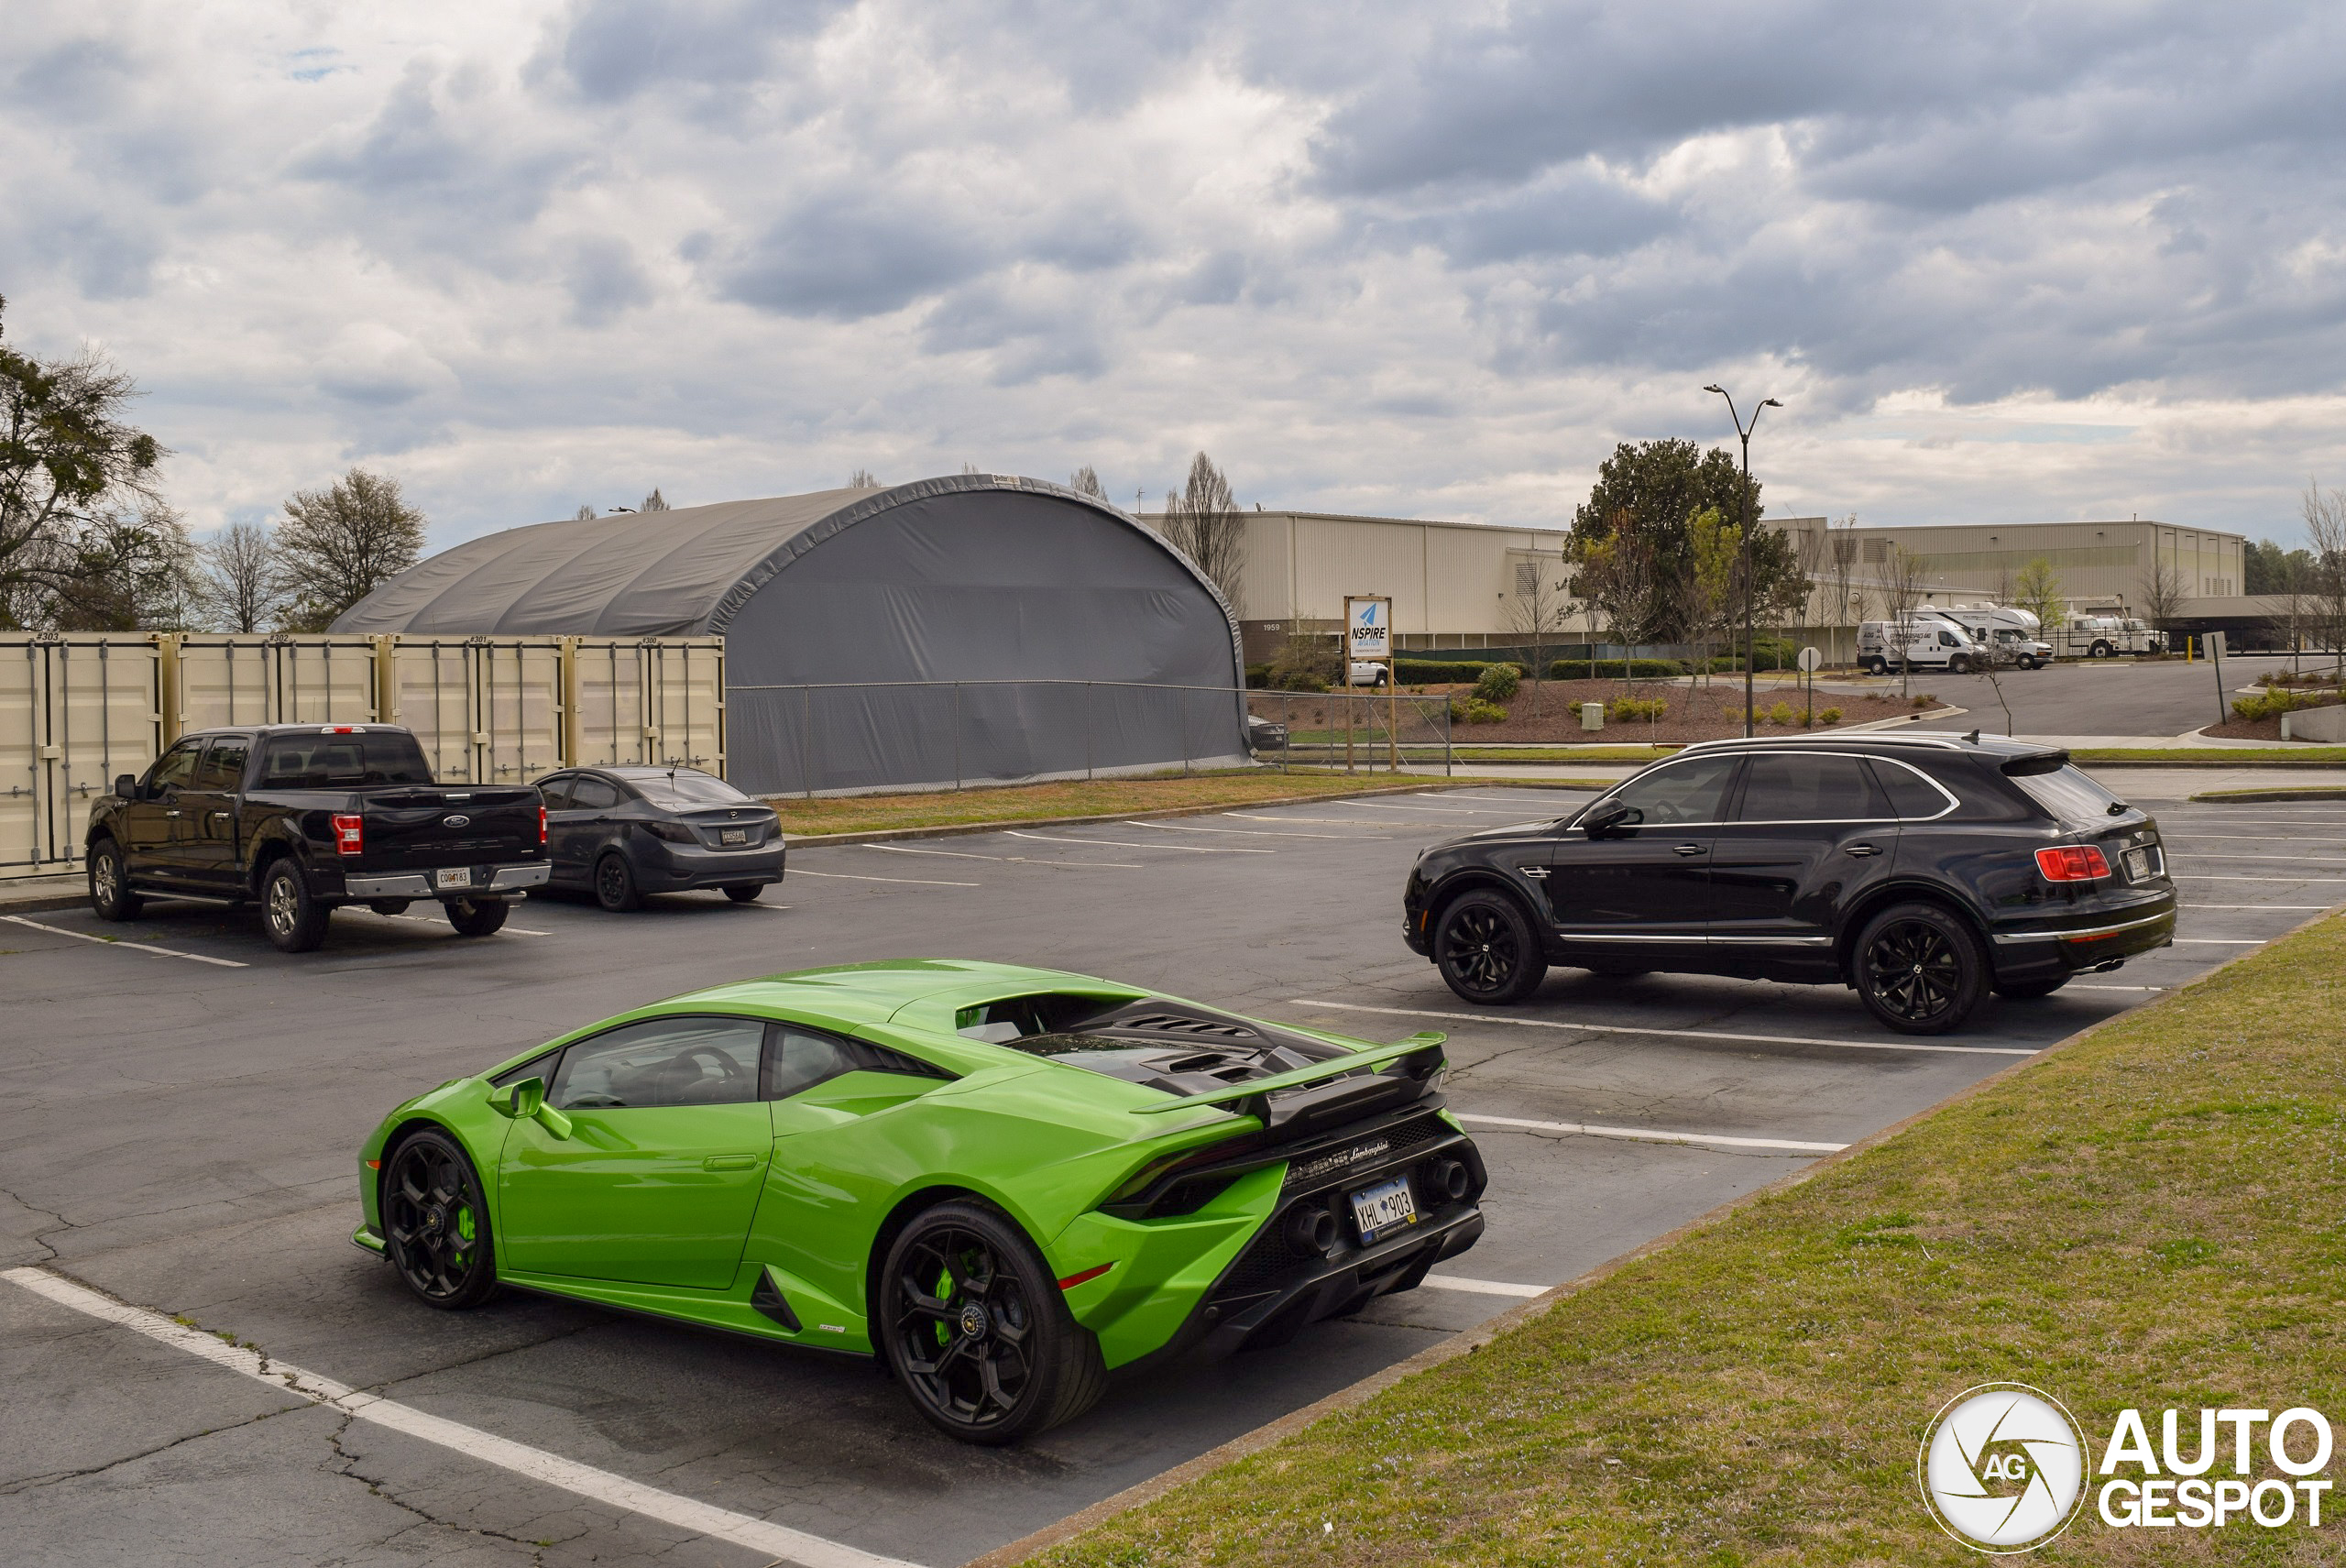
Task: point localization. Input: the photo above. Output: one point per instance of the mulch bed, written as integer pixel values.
(2238, 729)
(1699, 713)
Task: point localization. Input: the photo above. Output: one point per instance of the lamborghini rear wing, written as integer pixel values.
(1420, 1057)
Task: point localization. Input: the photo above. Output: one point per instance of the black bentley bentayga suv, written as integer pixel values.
(1919, 870)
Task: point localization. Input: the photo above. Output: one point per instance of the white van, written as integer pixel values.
(1926, 643)
(2010, 630)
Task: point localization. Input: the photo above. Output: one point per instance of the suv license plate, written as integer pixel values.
(2138, 865)
(452, 876)
(1383, 1209)
(733, 836)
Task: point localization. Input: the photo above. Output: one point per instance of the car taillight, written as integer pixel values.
(542, 825)
(2072, 862)
(349, 834)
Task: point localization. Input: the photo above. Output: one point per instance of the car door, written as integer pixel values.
(1641, 883)
(1810, 832)
(207, 819)
(585, 824)
(659, 1178)
(150, 825)
(554, 792)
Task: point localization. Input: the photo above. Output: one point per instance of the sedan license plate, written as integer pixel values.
(2141, 864)
(452, 876)
(733, 836)
(1383, 1209)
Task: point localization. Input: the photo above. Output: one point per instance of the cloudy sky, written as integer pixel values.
(2001, 262)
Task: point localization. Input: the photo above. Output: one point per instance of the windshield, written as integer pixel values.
(2070, 795)
(331, 759)
(685, 786)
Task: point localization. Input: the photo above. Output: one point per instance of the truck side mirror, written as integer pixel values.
(126, 786)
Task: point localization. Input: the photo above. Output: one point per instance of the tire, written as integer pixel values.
(390, 906)
(1876, 666)
(1958, 665)
(1487, 950)
(296, 922)
(480, 918)
(1918, 969)
(2099, 650)
(614, 887)
(435, 1223)
(2030, 989)
(746, 892)
(110, 893)
(975, 1328)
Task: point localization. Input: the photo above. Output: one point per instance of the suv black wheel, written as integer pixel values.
(2029, 989)
(1487, 950)
(615, 883)
(745, 892)
(977, 1331)
(435, 1225)
(296, 922)
(1919, 969)
(475, 917)
(110, 893)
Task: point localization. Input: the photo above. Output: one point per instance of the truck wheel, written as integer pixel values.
(475, 917)
(615, 883)
(390, 906)
(110, 893)
(2099, 650)
(296, 922)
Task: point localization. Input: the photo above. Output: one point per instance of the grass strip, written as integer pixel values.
(1080, 797)
(2213, 756)
(2149, 1217)
(2247, 797)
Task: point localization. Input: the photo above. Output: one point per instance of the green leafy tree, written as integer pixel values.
(1665, 485)
(1715, 551)
(2037, 590)
(341, 543)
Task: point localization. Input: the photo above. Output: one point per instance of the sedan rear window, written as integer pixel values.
(2070, 795)
(330, 760)
(683, 787)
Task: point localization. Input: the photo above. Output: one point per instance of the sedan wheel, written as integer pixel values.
(615, 883)
(745, 892)
(1919, 969)
(978, 1332)
(1486, 950)
(435, 1225)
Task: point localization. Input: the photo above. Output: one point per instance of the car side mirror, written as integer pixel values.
(526, 1102)
(126, 786)
(1610, 818)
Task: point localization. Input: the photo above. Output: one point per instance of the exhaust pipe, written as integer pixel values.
(1450, 1178)
(1312, 1229)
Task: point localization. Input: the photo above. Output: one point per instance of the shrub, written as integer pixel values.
(1610, 669)
(1305, 664)
(1923, 699)
(1829, 716)
(1497, 682)
(1474, 710)
(2273, 703)
(1626, 709)
(1259, 674)
(1780, 714)
(1438, 672)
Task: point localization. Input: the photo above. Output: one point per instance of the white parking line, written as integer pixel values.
(580, 1480)
(1249, 832)
(115, 942)
(2220, 941)
(2073, 985)
(1124, 844)
(1651, 1135)
(1679, 1034)
(1325, 821)
(427, 920)
(1482, 1286)
(2294, 860)
(1435, 810)
(2241, 837)
(2267, 877)
(1011, 859)
(2297, 908)
(850, 876)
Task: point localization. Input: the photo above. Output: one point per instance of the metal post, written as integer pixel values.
(806, 739)
(957, 735)
(1184, 700)
(1087, 730)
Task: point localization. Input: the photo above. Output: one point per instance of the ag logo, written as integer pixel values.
(2002, 1467)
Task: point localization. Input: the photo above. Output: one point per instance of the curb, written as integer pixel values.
(1471, 1340)
(2250, 797)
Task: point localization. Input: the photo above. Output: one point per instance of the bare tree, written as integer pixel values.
(861, 480)
(1535, 613)
(2163, 591)
(240, 583)
(655, 501)
(341, 543)
(1840, 571)
(1203, 522)
(2293, 601)
(970, 468)
(1901, 592)
(2325, 517)
(584, 514)
(1619, 574)
(1085, 481)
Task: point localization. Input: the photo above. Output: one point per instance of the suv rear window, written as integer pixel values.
(2070, 795)
(332, 761)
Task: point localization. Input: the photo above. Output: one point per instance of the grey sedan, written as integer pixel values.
(620, 833)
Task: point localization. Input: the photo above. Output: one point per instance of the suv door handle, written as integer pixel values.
(1687, 849)
(1860, 851)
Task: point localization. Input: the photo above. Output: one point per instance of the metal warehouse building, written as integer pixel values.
(979, 626)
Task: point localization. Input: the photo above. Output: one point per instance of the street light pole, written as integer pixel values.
(1743, 433)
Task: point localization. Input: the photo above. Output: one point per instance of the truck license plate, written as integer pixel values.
(452, 876)
(733, 836)
(1383, 1209)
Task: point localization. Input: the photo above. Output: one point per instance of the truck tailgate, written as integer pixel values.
(414, 828)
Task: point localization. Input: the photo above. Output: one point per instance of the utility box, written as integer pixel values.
(1592, 715)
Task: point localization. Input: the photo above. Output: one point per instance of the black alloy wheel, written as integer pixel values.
(435, 1225)
(745, 892)
(110, 893)
(1920, 969)
(476, 916)
(296, 922)
(2030, 989)
(614, 887)
(1486, 951)
(976, 1330)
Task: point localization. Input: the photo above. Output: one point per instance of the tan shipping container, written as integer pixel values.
(75, 711)
(652, 701)
(217, 679)
(486, 709)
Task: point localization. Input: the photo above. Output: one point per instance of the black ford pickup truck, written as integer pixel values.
(304, 818)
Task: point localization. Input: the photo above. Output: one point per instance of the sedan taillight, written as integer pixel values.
(349, 834)
(674, 832)
(541, 826)
(2072, 862)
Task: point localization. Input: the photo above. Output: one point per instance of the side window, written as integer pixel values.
(1679, 794)
(588, 792)
(1912, 796)
(686, 1060)
(1810, 789)
(177, 767)
(224, 765)
(542, 1065)
(803, 1058)
(557, 792)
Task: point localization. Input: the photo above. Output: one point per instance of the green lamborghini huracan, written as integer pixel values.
(1006, 1181)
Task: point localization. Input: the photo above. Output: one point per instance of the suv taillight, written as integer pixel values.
(349, 834)
(2072, 862)
(541, 826)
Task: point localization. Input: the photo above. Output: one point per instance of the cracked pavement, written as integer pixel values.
(186, 1141)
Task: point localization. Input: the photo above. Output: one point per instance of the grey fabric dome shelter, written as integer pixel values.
(1045, 629)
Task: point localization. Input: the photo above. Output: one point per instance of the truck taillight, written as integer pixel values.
(349, 834)
(2072, 862)
(542, 825)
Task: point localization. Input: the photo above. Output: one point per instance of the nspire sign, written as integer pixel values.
(1368, 626)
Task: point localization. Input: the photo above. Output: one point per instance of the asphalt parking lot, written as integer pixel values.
(181, 1110)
